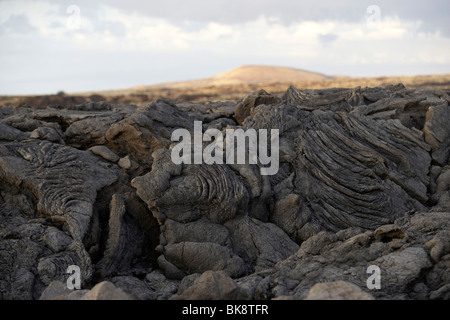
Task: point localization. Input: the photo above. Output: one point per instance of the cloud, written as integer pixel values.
(17, 24)
(328, 38)
(433, 14)
(152, 42)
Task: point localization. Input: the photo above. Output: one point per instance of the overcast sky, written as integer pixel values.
(78, 45)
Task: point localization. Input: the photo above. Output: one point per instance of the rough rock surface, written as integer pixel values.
(211, 285)
(337, 290)
(363, 180)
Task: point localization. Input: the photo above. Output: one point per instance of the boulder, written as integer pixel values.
(106, 291)
(244, 108)
(437, 132)
(105, 153)
(337, 290)
(211, 285)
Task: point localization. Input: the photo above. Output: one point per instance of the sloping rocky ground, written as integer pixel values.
(364, 180)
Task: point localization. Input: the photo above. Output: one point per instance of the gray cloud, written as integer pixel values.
(433, 14)
(17, 24)
(327, 38)
(116, 28)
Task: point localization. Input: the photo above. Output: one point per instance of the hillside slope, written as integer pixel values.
(250, 74)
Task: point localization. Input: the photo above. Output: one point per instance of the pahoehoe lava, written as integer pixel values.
(364, 179)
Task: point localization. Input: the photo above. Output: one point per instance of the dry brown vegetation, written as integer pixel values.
(229, 86)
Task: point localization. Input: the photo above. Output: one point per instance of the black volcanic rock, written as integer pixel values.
(363, 180)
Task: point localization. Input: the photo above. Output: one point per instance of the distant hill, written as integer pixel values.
(250, 74)
(227, 86)
(259, 74)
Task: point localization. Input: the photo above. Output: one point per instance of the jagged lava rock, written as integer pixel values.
(363, 180)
